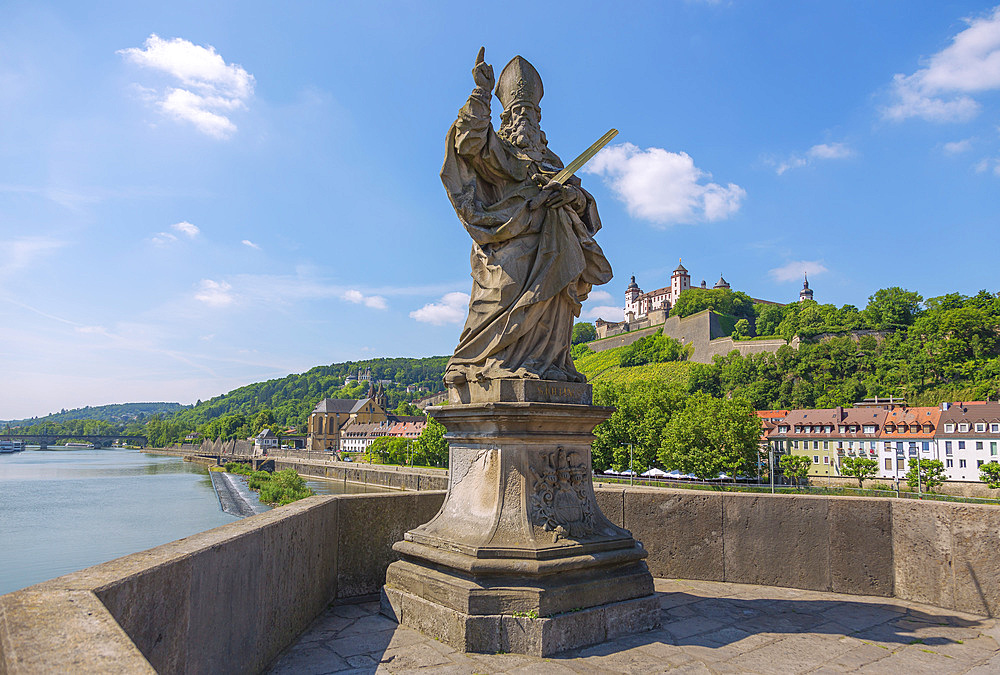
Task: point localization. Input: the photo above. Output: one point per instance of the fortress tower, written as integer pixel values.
(680, 281)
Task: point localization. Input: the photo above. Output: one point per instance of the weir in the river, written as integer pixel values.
(234, 500)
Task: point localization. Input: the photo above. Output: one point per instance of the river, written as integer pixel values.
(64, 509)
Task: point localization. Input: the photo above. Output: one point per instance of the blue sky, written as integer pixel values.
(195, 196)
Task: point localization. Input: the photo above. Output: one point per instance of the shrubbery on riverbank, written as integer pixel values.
(278, 488)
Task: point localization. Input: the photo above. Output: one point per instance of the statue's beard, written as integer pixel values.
(523, 134)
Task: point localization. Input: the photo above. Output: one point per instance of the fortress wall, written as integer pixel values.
(620, 340)
(703, 330)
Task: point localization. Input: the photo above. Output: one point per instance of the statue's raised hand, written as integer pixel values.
(482, 72)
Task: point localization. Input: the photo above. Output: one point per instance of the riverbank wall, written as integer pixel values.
(384, 475)
(230, 599)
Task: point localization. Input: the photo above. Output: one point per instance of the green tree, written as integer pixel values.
(656, 348)
(795, 466)
(407, 409)
(389, 450)
(861, 468)
(642, 410)
(931, 474)
(989, 473)
(892, 308)
(721, 300)
(431, 448)
(710, 436)
(583, 332)
(742, 329)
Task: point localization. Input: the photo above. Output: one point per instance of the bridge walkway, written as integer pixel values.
(707, 627)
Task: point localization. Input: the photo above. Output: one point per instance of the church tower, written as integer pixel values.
(806, 292)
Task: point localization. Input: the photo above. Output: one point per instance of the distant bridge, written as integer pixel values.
(99, 441)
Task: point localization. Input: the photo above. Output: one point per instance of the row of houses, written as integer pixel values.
(963, 435)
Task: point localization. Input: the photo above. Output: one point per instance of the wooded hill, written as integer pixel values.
(290, 399)
(116, 413)
(945, 348)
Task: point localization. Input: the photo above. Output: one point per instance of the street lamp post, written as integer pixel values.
(770, 464)
(631, 471)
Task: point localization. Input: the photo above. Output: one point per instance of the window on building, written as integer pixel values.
(841, 428)
(887, 446)
(826, 459)
(900, 464)
(949, 463)
(815, 445)
(869, 428)
(888, 464)
(899, 447)
(912, 449)
(815, 459)
(871, 445)
(961, 445)
(947, 447)
(826, 445)
(979, 462)
(961, 464)
(963, 427)
(979, 445)
(980, 427)
(925, 446)
(993, 448)
(949, 428)
(994, 428)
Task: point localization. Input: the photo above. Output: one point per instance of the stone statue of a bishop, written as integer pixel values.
(534, 258)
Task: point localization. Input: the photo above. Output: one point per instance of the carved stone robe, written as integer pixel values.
(531, 268)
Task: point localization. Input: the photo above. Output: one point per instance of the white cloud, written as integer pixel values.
(21, 253)
(941, 91)
(988, 164)
(794, 270)
(359, 298)
(830, 151)
(664, 187)
(452, 308)
(210, 88)
(606, 312)
(247, 242)
(163, 238)
(186, 228)
(822, 151)
(957, 147)
(600, 296)
(214, 293)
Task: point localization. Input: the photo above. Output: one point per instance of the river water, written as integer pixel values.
(65, 509)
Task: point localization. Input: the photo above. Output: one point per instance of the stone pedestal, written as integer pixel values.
(520, 558)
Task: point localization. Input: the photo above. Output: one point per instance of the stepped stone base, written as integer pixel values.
(521, 632)
(520, 558)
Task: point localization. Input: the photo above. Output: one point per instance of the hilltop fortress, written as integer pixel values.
(707, 331)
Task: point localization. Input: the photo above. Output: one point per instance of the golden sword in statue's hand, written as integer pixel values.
(575, 165)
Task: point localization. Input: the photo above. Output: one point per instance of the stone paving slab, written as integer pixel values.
(706, 627)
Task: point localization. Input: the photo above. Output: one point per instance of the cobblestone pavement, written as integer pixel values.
(708, 627)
